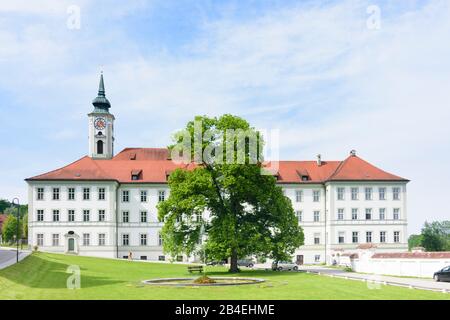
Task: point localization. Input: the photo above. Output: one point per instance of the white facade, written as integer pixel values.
(137, 228)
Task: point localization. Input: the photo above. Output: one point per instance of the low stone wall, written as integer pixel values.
(411, 267)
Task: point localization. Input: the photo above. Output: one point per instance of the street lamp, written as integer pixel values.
(18, 222)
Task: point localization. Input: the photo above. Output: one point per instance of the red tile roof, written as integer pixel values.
(154, 165)
(413, 255)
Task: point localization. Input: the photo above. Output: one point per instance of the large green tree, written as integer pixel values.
(247, 212)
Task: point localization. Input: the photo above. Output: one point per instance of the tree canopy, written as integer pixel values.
(248, 213)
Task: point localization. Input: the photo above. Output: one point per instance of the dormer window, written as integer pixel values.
(136, 174)
(132, 156)
(303, 174)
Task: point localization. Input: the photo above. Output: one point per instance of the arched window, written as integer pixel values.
(100, 147)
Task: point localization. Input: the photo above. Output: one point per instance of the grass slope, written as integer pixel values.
(43, 276)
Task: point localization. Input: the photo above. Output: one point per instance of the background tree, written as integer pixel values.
(436, 236)
(9, 229)
(4, 204)
(248, 213)
(414, 240)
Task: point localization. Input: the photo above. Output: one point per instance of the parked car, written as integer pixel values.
(443, 274)
(284, 265)
(246, 263)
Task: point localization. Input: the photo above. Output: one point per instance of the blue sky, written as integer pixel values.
(313, 70)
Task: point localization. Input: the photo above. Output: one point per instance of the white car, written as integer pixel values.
(285, 265)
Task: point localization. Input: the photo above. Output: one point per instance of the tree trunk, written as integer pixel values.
(233, 261)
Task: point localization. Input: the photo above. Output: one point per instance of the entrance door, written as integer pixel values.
(71, 244)
(300, 259)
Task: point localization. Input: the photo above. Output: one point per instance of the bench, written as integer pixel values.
(195, 269)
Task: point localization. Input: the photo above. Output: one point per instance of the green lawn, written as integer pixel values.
(43, 276)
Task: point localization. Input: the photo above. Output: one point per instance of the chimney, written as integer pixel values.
(319, 160)
(353, 153)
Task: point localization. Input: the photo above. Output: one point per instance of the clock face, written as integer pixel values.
(99, 123)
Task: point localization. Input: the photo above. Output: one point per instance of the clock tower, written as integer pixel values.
(101, 126)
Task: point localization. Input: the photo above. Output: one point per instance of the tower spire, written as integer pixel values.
(100, 103)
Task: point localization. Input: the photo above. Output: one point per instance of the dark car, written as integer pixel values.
(443, 274)
(246, 263)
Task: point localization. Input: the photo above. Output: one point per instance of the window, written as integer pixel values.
(382, 212)
(396, 236)
(317, 258)
(143, 239)
(86, 239)
(368, 214)
(40, 239)
(55, 240)
(179, 218)
(161, 195)
(382, 236)
(198, 217)
(55, 215)
(368, 192)
(101, 239)
(100, 147)
(125, 196)
(40, 194)
(125, 216)
(340, 215)
(298, 195)
(70, 193)
(86, 215)
(355, 237)
(125, 239)
(161, 258)
(369, 236)
(71, 215)
(341, 237)
(316, 238)
(143, 196)
(180, 258)
(340, 193)
(396, 193)
(316, 216)
(101, 215)
(299, 215)
(101, 193)
(354, 214)
(355, 192)
(396, 213)
(382, 193)
(86, 193)
(143, 257)
(160, 239)
(55, 193)
(143, 216)
(316, 195)
(40, 215)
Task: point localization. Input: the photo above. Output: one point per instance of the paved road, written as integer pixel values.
(8, 257)
(417, 283)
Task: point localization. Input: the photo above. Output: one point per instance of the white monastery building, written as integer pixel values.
(105, 204)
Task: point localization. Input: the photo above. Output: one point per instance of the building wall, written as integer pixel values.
(326, 229)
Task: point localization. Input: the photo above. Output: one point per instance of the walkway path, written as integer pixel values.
(8, 256)
(413, 283)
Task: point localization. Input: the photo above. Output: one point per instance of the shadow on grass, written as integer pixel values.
(268, 274)
(38, 272)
